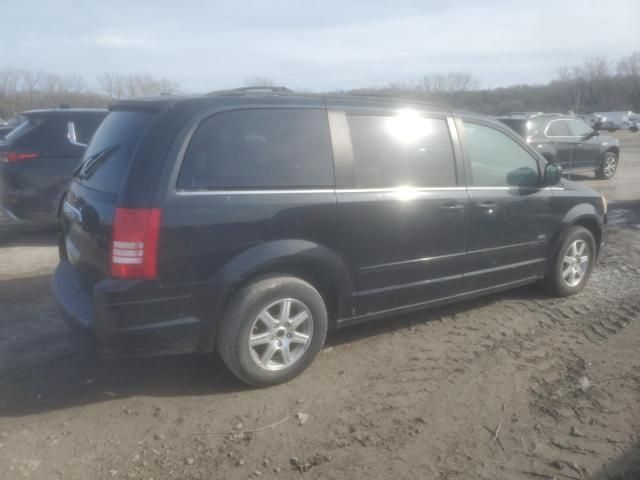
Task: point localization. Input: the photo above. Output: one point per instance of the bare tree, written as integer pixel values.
(629, 78)
(135, 85)
(448, 83)
(258, 81)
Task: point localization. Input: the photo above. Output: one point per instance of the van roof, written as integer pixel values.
(58, 111)
(277, 96)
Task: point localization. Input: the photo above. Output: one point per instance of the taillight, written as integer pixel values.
(134, 247)
(16, 157)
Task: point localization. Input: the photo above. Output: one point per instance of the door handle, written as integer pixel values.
(488, 207)
(452, 207)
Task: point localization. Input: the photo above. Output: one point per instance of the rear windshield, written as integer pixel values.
(121, 129)
(25, 126)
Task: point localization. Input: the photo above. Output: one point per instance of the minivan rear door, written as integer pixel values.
(401, 212)
(90, 204)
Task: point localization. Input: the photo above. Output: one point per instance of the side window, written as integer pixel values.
(558, 128)
(497, 160)
(406, 149)
(265, 148)
(578, 128)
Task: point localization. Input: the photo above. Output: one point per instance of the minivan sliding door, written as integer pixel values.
(401, 212)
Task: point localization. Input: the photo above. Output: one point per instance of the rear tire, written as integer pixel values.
(608, 167)
(572, 264)
(272, 330)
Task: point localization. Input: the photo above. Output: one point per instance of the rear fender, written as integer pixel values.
(277, 256)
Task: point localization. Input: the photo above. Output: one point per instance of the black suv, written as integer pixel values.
(568, 141)
(252, 223)
(38, 157)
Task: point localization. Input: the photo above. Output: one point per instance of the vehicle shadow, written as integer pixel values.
(27, 235)
(44, 367)
(624, 467)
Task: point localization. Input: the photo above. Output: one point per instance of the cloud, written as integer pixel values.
(207, 45)
(113, 40)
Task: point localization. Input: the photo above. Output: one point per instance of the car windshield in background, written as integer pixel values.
(122, 129)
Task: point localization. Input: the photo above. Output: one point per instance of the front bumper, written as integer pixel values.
(128, 318)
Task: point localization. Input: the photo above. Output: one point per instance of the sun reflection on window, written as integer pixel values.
(408, 127)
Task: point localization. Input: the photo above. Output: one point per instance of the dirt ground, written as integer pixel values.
(512, 386)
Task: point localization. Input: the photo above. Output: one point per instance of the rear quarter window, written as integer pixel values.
(259, 148)
(125, 130)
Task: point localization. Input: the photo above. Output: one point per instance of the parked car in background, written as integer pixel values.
(4, 128)
(251, 223)
(593, 120)
(38, 157)
(568, 141)
(626, 120)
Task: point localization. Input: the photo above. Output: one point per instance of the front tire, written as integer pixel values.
(272, 330)
(572, 264)
(608, 166)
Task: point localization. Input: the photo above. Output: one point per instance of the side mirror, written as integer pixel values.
(552, 175)
(591, 134)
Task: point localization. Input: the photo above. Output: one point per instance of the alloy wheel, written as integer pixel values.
(609, 167)
(280, 334)
(575, 263)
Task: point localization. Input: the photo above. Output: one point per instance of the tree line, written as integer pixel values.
(596, 84)
(22, 90)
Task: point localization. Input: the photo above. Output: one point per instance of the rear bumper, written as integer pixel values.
(129, 318)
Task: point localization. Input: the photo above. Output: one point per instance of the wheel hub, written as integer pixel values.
(575, 263)
(281, 334)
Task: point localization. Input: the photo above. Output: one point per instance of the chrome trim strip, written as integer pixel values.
(502, 247)
(405, 262)
(399, 189)
(316, 190)
(505, 188)
(345, 321)
(450, 255)
(189, 193)
(408, 285)
(504, 267)
(153, 326)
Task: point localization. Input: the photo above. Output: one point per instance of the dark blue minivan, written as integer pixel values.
(251, 222)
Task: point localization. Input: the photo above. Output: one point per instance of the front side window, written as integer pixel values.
(558, 128)
(578, 128)
(497, 160)
(402, 150)
(260, 148)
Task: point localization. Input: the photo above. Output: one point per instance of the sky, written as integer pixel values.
(312, 45)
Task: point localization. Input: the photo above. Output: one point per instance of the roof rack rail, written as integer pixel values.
(241, 90)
